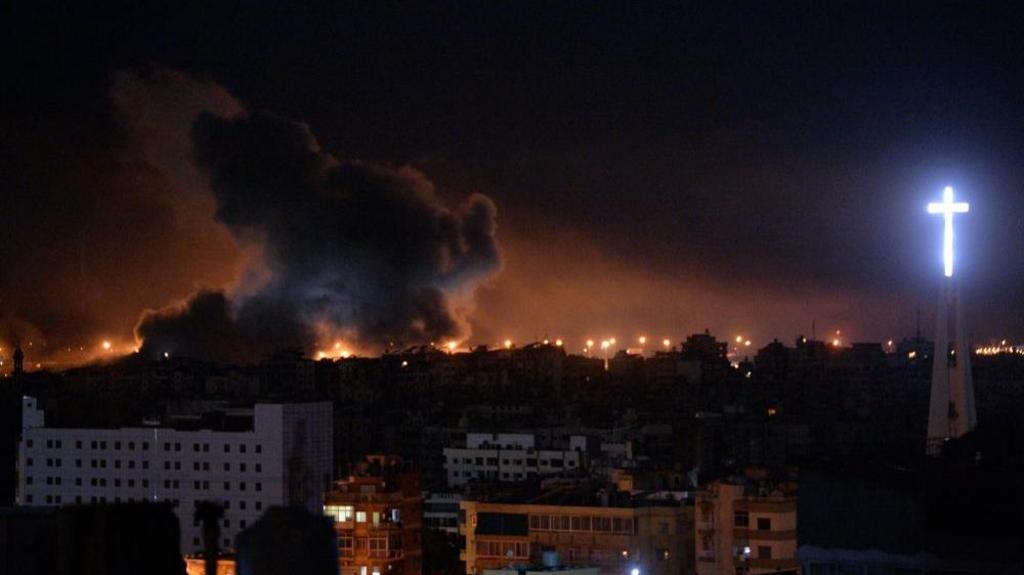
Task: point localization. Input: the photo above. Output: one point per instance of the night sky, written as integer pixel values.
(655, 170)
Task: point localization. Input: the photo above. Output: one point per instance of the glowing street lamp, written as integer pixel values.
(947, 208)
(508, 344)
(106, 345)
(642, 339)
(666, 342)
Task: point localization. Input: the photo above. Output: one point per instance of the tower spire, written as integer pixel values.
(951, 411)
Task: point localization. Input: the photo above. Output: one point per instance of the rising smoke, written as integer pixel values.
(346, 248)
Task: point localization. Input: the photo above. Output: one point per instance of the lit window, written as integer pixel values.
(340, 513)
(360, 517)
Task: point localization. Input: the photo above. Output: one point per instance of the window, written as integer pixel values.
(259, 467)
(259, 506)
(78, 444)
(241, 504)
(241, 447)
(195, 447)
(241, 486)
(167, 446)
(227, 486)
(741, 519)
(764, 524)
(78, 481)
(28, 480)
(259, 448)
(206, 447)
(28, 462)
(764, 552)
(28, 442)
(259, 486)
(227, 448)
(78, 463)
(145, 446)
(131, 445)
(117, 445)
(227, 467)
(177, 446)
(117, 464)
(177, 466)
(241, 467)
(360, 517)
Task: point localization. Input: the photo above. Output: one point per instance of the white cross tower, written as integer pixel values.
(947, 208)
(951, 411)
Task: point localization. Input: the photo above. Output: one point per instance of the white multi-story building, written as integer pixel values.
(509, 457)
(284, 457)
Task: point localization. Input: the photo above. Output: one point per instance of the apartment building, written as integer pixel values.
(270, 454)
(614, 533)
(511, 457)
(378, 518)
(747, 525)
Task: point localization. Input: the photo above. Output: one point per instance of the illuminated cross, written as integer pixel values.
(947, 208)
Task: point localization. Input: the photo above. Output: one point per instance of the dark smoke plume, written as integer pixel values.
(347, 248)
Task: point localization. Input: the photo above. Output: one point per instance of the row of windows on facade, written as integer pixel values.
(490, 475)
(58, 499)
(373, 547)
(521, 550)
(529, 462)
(102, 464)
(345, 513)
(620, 525)
(742, 519)
(144, 483)
(168, 446)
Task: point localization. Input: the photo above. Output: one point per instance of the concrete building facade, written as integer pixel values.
(509, 457)
(656, 539)
(284, 458)
(738, 531)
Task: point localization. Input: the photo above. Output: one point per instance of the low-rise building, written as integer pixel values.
(746, 525)
(378, 519)
(247, 460)
(612, 531)
(511, 457)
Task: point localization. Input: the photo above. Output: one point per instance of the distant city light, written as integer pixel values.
(167, 354)
(558, 342)
(642, 339)
(452, 345)
(605, 344)
(508, 343)
(747, 343)
(612, 341)
(590, 343)
(911, 355)
(106, 345)
(666, 342)
(739, 339)
(835, 342)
